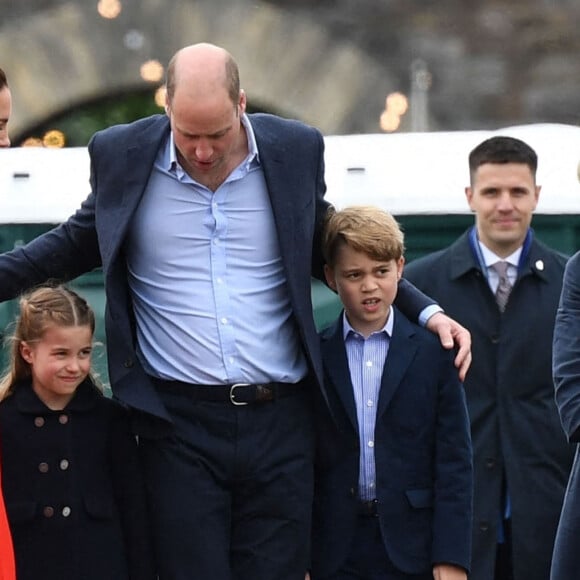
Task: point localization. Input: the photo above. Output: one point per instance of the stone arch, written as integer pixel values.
(68, 55)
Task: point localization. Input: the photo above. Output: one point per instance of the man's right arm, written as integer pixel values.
(62, 254)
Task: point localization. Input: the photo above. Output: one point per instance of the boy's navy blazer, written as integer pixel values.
(122, 157)
(422, 454)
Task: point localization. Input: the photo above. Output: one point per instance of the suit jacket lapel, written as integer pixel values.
(278, 176)
(402, 349)
(337, 371)
(136, 168)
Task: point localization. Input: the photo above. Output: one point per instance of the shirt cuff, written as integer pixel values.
(427, 312)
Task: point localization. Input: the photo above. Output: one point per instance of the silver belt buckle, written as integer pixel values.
(233, 394)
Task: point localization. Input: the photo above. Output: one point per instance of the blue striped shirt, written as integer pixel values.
(366, 360)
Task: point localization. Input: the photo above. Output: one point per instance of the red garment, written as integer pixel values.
(7, 569)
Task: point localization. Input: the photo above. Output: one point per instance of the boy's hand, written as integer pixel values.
(448, 572)
(452, 334)
(307, 577)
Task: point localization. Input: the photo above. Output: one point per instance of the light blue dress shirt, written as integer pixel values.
(207, 280)
(366, 360)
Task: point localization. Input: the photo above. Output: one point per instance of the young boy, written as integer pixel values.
(393, 495)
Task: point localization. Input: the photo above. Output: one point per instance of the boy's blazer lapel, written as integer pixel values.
(402, 349)
(337, 371)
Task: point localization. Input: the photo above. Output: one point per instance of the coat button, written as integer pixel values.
(490, 462)
(48, 511)
(63, 419)
(128, 363)
(352, 492)
(39, 421)
(64, 464)
(43, 467)
(483, 526)
(66, 511)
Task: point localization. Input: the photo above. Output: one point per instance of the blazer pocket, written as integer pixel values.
(21, 511)
(420, 498)
(99, 508)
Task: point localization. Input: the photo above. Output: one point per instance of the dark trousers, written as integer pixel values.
(231, 489)
(368, 559)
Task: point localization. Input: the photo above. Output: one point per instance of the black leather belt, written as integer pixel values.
(368, 508)
(237, 394)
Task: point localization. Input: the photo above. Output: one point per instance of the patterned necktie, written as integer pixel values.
(504, 287)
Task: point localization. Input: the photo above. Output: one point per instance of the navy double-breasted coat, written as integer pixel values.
(73, 489)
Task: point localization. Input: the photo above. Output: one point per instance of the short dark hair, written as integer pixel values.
(3, 79)
(503, 150)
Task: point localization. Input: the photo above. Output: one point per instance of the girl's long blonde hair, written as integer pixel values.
(41, 308)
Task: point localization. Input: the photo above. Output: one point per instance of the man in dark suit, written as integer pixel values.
(205, 222)
(393, 477)
(521, 458)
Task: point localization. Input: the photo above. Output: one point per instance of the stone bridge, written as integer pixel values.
(67, 55)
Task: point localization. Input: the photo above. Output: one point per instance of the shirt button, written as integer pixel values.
(369, 363)
(39, 421)
(64, 464)
(48, 511)
(224, 320)
(216, 241)
(43, 467)
(66, 511)
(371, 443)
(63, 419)
(369, 403)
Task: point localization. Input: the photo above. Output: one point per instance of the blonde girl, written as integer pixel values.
(71, 478)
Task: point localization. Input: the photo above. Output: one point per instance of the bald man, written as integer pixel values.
(5, 109)
(206, 223)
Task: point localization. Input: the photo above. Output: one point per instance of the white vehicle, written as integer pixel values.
(406, 173)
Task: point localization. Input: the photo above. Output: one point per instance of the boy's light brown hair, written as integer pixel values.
(366, 229)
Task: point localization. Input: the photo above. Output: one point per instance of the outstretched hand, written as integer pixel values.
(452, 334)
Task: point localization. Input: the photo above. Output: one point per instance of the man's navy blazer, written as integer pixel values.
(422, 456)
(122, 157)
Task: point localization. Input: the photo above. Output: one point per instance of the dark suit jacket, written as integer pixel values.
(510, 396)
(422, 456)
(105, 531)
(122, 158)
(566, 368)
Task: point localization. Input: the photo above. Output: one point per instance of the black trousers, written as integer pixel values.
(231, 489)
